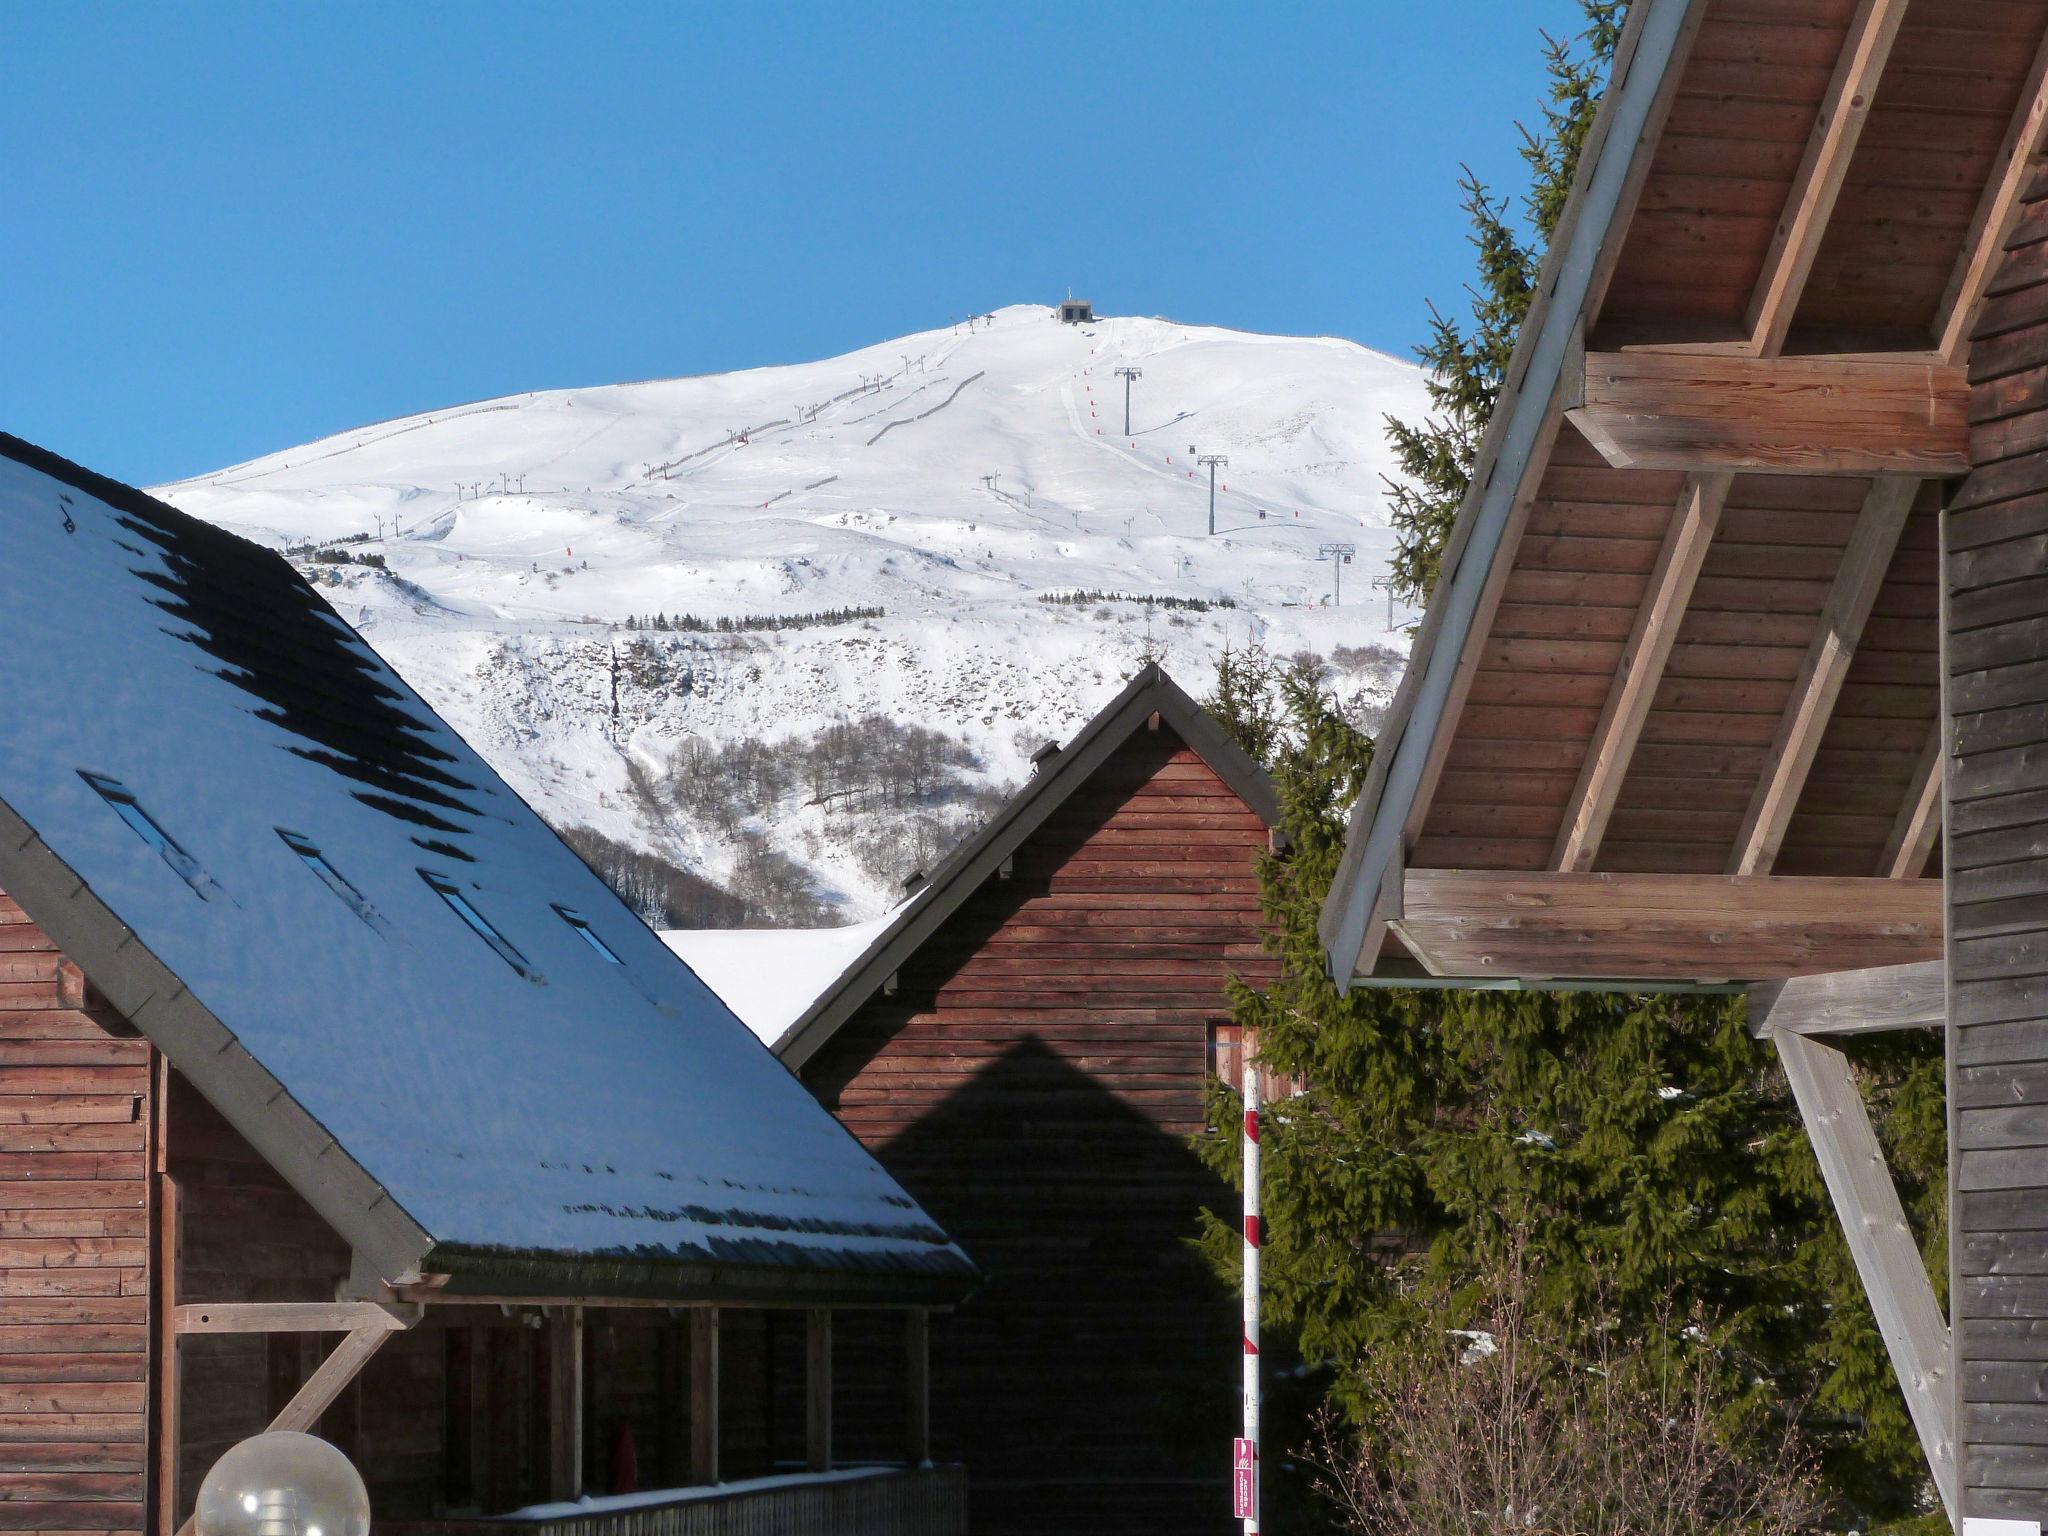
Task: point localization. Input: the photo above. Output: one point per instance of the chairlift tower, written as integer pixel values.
(1127, 375)
(1339, 556)
(1212, 460)
(1386, 582)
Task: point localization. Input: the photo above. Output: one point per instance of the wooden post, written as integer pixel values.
(170, 1233)
(818, 1390)
(565, 1403)
(917, 1378)
(704, 1395)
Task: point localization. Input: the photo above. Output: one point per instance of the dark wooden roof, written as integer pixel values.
(1151, 692)
(1687, 625)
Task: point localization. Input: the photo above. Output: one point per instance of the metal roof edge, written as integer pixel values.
(1656, 29)
(963, 872)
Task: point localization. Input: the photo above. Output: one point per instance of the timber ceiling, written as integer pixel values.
(1726, 664)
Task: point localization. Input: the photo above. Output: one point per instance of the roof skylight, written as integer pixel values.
(130, 810)
(582, 929)
(333, 879)
(451, 893)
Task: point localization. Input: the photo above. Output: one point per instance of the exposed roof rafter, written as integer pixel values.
(1642, 667)
(1997, 210)
(1857, 583)
(1843, 112)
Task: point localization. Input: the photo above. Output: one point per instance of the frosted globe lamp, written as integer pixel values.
(281, 1483)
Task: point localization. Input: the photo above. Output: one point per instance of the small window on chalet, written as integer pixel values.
(580, 926)
(333, 879)
(459, 904)
(129, 809)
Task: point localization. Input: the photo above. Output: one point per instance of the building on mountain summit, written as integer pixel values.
(337, 1094)
(1076, 312)
(1026, 1043)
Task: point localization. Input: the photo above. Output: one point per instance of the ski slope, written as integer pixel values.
(950, 478)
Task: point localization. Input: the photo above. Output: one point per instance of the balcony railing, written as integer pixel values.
(880, 1501)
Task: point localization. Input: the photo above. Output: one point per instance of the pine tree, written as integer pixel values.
(1644, 1147)
(1466, 362)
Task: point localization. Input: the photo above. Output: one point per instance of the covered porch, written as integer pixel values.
(1734, 678)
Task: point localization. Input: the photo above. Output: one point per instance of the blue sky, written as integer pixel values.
(235, 227)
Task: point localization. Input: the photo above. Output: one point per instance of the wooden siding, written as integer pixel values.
(75, 1119)
(1996, 552)
(1034, 1083)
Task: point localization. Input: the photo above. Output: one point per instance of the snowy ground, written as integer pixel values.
(950, 478)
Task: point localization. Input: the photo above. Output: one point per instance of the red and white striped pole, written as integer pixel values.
(1247, 1458)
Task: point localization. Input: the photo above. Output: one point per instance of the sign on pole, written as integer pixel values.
(1244, 1480)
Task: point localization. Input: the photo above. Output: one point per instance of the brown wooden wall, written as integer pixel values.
(1034, 1083)
(452, 1415)
(75, 1123)
(1996, 553)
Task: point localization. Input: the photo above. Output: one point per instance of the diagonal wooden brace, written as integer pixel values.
(1888, 1261)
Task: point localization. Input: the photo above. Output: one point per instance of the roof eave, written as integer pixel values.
(1655, 36)
(1150, 691)
(153, 999)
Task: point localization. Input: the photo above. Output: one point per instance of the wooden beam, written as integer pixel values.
(1829, 148)
(818, 1389)
(292, 1316)
(1894, 1276)
(917, 1385)
(1880, 997)
(1707, 412)
(170, 1367)
(1913, 834)
(565, 1403)
(1997, 211)
(1693, 523)
(327, 1383)
(704, 1395)
(1547, 925)
(1858, 579)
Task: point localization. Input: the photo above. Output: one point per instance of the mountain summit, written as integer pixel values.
(649, 605)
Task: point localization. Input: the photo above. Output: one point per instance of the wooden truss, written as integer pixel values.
(1803, 1017)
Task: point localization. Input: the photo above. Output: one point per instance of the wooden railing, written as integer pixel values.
(929, 1501)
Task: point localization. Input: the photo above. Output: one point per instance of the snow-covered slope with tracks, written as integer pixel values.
(952, 479)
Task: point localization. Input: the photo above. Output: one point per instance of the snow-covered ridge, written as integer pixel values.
(952, 479)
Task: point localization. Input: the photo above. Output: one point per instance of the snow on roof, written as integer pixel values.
(769, 976)
(392, 934)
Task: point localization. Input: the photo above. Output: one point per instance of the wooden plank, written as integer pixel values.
(818, 1389)
(1919, 820)
(1877, 998)
(1829, 148)
(1874, 1223)
(1643, 659)
(1997, 211)
(1857, 582)
(1535, 925)
(917, 1374)
(291, 1316)
(704, 1395)
(565, 1403)
(340, 1368)
(1703, 412)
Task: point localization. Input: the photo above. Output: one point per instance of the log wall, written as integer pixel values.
(1996, 661)
(75, 1122)
(1035, 1083)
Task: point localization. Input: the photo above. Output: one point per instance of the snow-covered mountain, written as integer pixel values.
(577, 579)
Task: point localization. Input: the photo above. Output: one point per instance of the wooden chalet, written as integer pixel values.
(1027, 1046)
(337, 1094)
(1738, 668)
